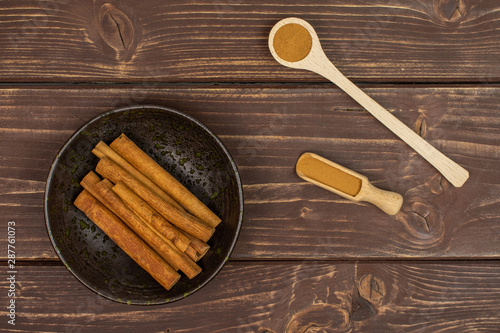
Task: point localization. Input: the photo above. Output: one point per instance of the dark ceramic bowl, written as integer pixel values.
(185, 148)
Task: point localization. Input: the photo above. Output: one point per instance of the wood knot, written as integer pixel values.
(420, 126)
(438, 184)
(421, 219)
(371, 288)
(318, 318)
(304, 211)
(117, 31)
(424, 223)
(265, 330)
(361, 309)
(450, 10)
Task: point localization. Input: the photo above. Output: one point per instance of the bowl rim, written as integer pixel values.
(234, 167)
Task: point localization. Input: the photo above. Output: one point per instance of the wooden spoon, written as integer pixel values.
(316, 61)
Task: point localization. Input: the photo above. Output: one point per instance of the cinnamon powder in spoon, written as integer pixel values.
(292, 42)
(329, 175)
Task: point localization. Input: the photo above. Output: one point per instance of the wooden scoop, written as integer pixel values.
(311, 57)
(346, 183)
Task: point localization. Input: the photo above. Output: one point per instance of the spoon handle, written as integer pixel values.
(452, 171)
(389, 202)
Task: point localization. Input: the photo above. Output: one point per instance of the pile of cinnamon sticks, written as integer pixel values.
(150, 215)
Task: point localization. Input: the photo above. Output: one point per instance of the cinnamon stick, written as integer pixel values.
(89, 181)
(200, 246)
(148, 214)
(163, 246)
(191, 224)
(103, 193)
(195, 252)
(102, 149)
(152, 170)
(187, 243)
(107, 182)
(127, 240)
(186, 264)
(191, 253)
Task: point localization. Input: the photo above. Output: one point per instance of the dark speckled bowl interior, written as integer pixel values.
(185, 148)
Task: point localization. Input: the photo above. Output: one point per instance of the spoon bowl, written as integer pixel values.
(316, 61)
(315, 50)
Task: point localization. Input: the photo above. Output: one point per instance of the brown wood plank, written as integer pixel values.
(277, 297)
(226, 40)
(266, 129)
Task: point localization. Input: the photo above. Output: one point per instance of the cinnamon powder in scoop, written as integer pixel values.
(292, 42)
(329, 175)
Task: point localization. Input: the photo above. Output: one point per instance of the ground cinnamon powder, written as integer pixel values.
(329, 175)
(292, 42)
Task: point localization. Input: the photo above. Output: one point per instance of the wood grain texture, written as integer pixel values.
(266, 129)
(285, 297)
(226, 40)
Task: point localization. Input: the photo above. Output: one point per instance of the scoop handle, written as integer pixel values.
(388, 202)
(452, 171)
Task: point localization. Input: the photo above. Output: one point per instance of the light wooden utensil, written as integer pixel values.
(316, 61)
(389, 202)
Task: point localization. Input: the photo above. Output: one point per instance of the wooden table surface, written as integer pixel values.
(306, 260)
